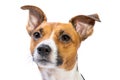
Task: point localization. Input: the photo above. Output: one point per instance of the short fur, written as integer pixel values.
(61, 63)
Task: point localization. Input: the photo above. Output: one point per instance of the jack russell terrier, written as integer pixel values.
(54, 45)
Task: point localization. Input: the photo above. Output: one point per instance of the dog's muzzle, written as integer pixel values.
(46, 54)
(43, 54)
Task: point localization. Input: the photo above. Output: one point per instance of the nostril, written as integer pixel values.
(40, 49)
(47, 49)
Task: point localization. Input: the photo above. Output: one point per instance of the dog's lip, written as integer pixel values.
(43, 60)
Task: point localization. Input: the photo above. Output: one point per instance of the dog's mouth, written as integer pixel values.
(43, 60)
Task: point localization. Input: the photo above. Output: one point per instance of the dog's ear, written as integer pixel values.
(36, 17)
(84, 24)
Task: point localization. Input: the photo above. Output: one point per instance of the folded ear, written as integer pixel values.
(36, 17)
(84, 24)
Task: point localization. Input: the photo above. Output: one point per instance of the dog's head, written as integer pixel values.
(55, 44)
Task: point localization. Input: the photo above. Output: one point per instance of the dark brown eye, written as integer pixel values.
(65, 38)
(36, 35)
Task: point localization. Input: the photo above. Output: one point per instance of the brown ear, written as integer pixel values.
(36, 17)
(84, 24)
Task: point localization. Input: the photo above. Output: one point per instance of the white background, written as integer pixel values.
(99, 55)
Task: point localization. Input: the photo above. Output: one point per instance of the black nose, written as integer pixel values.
(44, 50)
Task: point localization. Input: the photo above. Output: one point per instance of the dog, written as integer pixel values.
(54, 45)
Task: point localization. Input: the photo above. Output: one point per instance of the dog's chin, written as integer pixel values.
(45, 63)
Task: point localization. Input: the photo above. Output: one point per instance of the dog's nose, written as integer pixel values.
(44, 50)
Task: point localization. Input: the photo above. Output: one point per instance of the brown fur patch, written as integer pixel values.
(68, 51)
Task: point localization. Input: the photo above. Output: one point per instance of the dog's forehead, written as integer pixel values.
(55, 26)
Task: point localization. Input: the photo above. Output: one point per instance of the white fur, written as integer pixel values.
(61, 74)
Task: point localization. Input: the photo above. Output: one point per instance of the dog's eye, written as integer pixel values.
(36, 35)
(65, 38)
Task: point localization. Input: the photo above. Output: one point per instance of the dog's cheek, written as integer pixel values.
(68, 55)
(59, 60)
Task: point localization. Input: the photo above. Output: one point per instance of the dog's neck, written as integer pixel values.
(60, 74)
